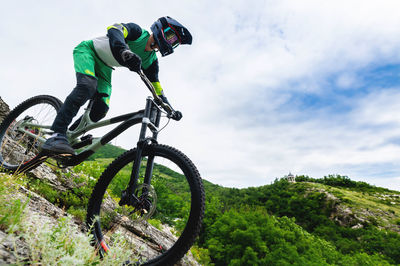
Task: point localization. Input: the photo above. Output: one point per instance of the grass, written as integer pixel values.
(50, 242)
(60, 242)
(11, 208)
(156, 223)
(383, 212)
(63, 244)
(74, 200)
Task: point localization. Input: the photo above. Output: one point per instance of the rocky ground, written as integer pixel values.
(13, 247)
(357, 209)
(141, 234)
(4, 109)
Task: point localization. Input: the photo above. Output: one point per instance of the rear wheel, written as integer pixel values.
(25, 128)
(174, 202)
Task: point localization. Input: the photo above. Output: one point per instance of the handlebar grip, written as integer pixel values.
(157, 99)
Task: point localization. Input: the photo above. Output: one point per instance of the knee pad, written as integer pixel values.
(85, 89)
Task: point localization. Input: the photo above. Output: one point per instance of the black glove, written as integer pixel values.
(176, 115)
(131, 60)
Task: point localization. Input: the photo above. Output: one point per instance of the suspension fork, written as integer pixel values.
(150, 159)
(151, 113)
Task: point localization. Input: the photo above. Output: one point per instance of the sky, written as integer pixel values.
(268, 87)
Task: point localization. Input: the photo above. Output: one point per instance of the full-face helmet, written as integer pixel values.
(168, 34)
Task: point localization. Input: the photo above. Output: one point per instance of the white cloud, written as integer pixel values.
(235, 84)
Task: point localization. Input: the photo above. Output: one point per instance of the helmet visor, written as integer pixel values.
(171, 37)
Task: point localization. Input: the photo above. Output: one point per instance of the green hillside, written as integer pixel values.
(328, 221)
(360, 221)
(107, 151)
(332, 220)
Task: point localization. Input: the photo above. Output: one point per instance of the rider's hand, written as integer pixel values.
(176, 115)
(131, 60)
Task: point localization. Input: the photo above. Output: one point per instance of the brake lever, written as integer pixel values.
(167, 108)
(157, 99)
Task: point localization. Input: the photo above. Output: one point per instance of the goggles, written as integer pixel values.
(171, 37)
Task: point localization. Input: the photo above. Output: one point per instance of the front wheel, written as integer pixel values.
(175, 197)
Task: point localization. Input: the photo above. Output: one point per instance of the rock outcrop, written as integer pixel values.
(141, 234)
(4, 109)
(348, 215)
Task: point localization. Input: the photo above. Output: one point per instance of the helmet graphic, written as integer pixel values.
(168, 34)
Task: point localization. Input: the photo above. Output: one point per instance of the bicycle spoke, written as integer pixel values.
(20, 139)
(157, 201)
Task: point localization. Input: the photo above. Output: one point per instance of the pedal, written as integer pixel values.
(85, 140)
(63, 159)
(63, 155)
(54, 155)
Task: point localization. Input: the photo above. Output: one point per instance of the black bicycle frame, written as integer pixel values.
(149, 117)
(151, 113)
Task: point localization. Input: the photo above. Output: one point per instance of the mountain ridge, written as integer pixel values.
(327, 221)
(364, 208)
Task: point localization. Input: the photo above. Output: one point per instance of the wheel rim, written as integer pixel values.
(21, 142)
(173, 210)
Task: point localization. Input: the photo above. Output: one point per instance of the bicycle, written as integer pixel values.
(124, 195)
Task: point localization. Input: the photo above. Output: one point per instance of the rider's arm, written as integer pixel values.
(118, 34)
(152, 74)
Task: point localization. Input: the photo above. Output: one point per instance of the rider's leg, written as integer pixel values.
(92, 74)
(101, 101)
(84, 63)
(98, 112)
(101, 105)
(84, 90)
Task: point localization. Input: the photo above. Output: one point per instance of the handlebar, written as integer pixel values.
(157, 99)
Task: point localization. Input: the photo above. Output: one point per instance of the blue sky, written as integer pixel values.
(267, 87)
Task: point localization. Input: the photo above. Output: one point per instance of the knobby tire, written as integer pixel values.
(6, 128)
(190, 172)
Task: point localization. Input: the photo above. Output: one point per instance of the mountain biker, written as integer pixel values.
(125, 45)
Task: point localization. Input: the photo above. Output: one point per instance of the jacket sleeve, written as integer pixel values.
(152, 74)
(118, 34)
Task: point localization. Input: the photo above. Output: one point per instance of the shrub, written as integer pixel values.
(63, 244)
(11, 208)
